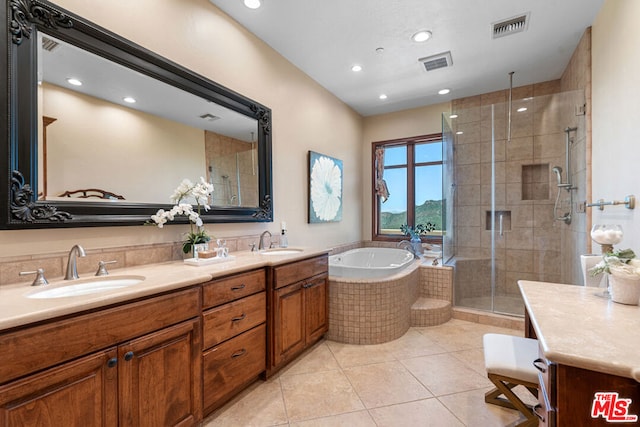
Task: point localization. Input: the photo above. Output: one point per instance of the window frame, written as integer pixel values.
(410, 165)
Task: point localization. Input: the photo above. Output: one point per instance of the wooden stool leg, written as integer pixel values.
(512, 401)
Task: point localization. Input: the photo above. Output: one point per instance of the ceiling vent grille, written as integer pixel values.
(517, 24)
(209, 117)
(434, 62)
(48, 44)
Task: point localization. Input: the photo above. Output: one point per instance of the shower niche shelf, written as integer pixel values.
(535, 182)
(501, 221)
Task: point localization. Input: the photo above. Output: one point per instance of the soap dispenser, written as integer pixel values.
(283, 235)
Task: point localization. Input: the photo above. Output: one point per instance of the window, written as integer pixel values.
(412, 171)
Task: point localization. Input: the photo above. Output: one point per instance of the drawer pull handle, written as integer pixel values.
(239, 318)
(128, 355)
(540, 365)
(237, 288)
(307, 285)
(536, 413)
(239, 353)
(112, 362)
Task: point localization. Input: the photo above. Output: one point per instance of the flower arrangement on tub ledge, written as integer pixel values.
(414, 234)
(623, 270)
(200, 192)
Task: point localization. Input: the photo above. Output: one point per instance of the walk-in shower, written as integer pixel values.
(509, 184)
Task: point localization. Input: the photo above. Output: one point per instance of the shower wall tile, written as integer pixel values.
(514, 194)
(467, 154)
(549, 146)
(520, 148)
(468, 195)
(522, 216)
(521, 123)
(470, 133)
(498, 153)
(513, 171)
(500, 242)
(546, 88)
(497, 97)
(500, 195)
(486, 171)
(520, 261)
(469, 235)
(469, 216)
(468, 174)
(520, 238)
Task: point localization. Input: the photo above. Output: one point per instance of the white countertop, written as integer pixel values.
(576, 327)
(16, 309)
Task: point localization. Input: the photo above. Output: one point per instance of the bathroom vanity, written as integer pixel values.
(167, 351)
(589, 363)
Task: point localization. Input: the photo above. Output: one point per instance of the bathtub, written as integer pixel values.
(369, 263)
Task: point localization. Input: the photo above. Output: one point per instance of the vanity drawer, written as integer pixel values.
(231, 288)
(287, 274)
(222, 323)
(230, 366)
(545, 409)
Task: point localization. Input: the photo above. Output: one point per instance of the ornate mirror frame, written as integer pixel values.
(19, 123)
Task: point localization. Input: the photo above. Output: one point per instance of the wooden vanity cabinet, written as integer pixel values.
(135, 364)
(298, 309)
(234, 335)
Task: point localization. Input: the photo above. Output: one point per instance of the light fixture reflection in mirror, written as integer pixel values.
(95, 137)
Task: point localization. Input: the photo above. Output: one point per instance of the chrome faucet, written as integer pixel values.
(261, 242)
(72, 263)
(405, 244)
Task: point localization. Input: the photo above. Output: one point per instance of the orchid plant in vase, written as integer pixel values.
(199, 192)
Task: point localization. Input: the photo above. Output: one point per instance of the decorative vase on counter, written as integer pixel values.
(416, 243)
(624, 290)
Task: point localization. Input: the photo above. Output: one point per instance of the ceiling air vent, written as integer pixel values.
(209, 117)
(433, 62)
(510, 26)
(48, 44)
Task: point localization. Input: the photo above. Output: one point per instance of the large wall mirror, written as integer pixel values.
(101, 131)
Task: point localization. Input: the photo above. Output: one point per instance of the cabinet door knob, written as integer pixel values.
(540, 365)
(239, 318)
(128, 355)
(112, 362)
(237, 288)
(239, 353)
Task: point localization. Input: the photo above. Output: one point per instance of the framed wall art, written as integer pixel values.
(325, 188)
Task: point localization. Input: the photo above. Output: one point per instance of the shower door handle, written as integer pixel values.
(500, 222)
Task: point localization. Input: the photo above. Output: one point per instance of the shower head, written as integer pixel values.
(558, 171)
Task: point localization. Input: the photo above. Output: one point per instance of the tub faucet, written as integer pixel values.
(72, 264)
(261, 243)
(405, 244)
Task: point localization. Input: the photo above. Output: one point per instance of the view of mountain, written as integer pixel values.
(429, 211)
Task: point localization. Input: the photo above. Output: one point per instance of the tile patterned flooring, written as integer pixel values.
(431, 376)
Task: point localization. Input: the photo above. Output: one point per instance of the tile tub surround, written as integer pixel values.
(374, 311)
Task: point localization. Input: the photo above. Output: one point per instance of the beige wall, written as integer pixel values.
(401, 124)
(306, 117)
(616, 155)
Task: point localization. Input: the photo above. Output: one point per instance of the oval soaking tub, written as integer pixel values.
(369, 263)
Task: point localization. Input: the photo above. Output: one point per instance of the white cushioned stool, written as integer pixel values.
(509, 362)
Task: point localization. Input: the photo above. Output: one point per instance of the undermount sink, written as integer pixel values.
(281, 251)
(86, 286)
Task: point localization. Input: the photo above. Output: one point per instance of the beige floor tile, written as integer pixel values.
(349, 355)
(261, 405)
(472, 410)
(387, 383)
(444, 374)
(320, 394)
(423, 413)
(352, 419)
(473, 358)
(413, 344)
(317, 359)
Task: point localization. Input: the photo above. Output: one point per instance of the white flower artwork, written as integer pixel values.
(325, 192)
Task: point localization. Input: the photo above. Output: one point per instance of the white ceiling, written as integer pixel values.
(324, 38)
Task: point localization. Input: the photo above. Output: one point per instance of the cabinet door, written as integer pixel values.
(80, 393)
(288, 319)
(316, 308)
(159, 378)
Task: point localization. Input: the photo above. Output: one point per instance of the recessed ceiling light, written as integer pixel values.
(356, 68)
(521, 109)
(444, 91)
(73, 81)
(383, 96)
(421, 36)
(379, 50)
(129, 100)
(252, 4)
(459, 132)
(453, 116)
